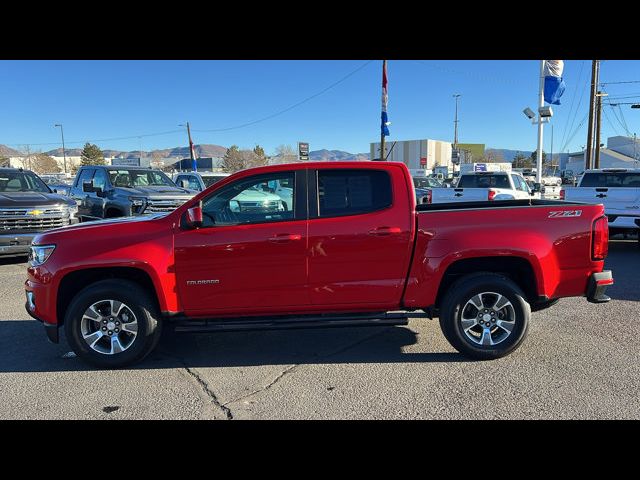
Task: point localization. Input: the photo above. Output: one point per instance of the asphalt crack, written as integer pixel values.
(210, 394)
(289, 369)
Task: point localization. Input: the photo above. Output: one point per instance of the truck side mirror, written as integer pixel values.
(194, 216)
(184, 183)
(87, 187)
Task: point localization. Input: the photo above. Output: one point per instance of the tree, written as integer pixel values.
(232, 160)
(4, 161)
(534, 156)
(286, 154)
(91, 155)
(493, 156)
(43, 163)
(260, 158)
(157, 160)
(521, 161)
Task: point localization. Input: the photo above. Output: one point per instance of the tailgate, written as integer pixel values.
(446, 195)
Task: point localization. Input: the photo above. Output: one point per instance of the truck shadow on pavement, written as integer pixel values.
(24, 348)
(624, 261)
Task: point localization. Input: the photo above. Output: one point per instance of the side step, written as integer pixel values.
(282, 323)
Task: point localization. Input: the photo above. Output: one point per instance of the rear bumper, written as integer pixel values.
(598, 283)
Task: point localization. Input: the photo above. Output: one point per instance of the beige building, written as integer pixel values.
(416, 154)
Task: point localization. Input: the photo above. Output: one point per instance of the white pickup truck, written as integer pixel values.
(618, 189)
(483, 186)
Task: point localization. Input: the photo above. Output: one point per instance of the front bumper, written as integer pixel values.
(598, 283)
(51, 329)
(16, 243)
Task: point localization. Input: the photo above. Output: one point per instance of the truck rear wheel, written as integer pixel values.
(112, 323)
(485, 316)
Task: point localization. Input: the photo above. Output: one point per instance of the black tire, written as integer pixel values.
(457, 297)
(536, 307)
(137, 299)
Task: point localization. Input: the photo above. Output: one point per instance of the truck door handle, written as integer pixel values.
(285, 237)
(381, 231)
(457, 194)
(601, 195)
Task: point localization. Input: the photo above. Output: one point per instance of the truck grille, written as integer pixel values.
(269, 206)
(155, 206)
(30, 220)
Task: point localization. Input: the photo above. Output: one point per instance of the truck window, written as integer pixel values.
(484, 181)
(85, 176)
(247, 201)
(211, 179)
(193, 181)
(519, 183)
(352, 192)
(22, 182)
(611, 179)
(100, 179)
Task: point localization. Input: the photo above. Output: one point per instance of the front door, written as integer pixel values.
(250, 254)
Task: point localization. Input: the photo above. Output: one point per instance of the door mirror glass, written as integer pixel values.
(87, 187)
(184, 183)
(194, 216)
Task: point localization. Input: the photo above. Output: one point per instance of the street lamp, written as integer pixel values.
(64, 152)
(544, 116)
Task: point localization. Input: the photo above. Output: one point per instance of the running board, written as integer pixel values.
(282, 323)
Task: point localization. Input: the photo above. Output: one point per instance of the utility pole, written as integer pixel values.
(455, 125)
(64, 153)
(599, 95)
(553, 168)
(194, 164)
(540, 130)
(595, 67)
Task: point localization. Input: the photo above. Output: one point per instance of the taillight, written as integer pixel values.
(491, 194)
(428, 197)
(600, 235)
(562, 194)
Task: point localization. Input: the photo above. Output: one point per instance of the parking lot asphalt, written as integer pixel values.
(579, 361)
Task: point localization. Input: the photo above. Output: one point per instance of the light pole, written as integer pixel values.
(455, 127)
(64, 152)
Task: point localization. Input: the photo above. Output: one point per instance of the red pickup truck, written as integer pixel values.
(346, 246)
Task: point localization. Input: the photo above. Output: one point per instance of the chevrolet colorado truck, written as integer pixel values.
(118, 191)
(28, 207)
(355, 250)
(618, 189)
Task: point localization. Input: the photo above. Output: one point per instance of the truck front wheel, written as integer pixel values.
(112, 323)
(485, 316)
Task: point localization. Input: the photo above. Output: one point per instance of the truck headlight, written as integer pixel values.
(40, 253)
(73, 211)
(138, 204)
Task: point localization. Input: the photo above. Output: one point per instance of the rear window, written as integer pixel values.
(611, 179)
(484, 181)
(352, 192)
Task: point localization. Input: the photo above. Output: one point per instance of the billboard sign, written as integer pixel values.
(303, 151)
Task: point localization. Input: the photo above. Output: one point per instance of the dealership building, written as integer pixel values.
(415, 154)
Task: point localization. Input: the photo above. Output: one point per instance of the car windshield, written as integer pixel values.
(22, 182)
(211, 179)
(139, 178)
(425, 182)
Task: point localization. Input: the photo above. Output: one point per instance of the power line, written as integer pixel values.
(564, 132)
(616, 83)
(268, 117)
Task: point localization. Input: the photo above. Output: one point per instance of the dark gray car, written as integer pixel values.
(119, 191)
(28, 207)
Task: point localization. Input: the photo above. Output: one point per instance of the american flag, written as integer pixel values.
(385, 119)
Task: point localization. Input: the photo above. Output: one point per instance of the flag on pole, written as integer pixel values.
(385, 119)
(194, 162)
(553, 83)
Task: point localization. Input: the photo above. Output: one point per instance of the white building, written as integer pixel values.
(621, 152)
(416, 154)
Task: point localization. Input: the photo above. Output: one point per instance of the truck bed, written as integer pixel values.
(497, 204)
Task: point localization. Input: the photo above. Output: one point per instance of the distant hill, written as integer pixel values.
(332, 155)
(201, 151)
(9, 152)
(509, 155)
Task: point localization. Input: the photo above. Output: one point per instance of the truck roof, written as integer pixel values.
(612, 170)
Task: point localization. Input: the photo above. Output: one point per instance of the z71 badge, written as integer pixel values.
(565, 213)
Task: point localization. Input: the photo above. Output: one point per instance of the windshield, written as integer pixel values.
(21, 182)
(611, 179)
(139, 178)
(211, 179)
(425, 182)
(483, 181)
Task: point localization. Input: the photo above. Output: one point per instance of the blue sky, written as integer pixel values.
(99, 99)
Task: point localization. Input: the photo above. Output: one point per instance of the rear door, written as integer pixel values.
(82, 198)
(360, 231)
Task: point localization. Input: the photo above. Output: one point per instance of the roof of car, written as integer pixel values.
(12, 169)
